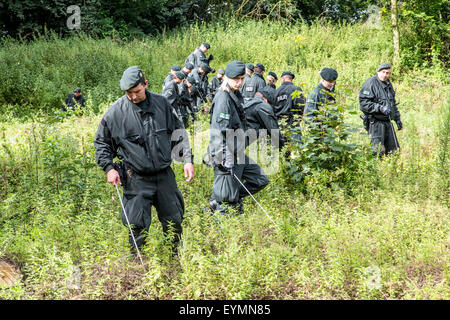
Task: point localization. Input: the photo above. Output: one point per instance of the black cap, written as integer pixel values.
(384, 66)
(250, 66)
(131, 78)
(273, 74)
(267, 93)
(329, 74)
(261, 66)
(189, 65)
(191, 79)
(288, 73)
(175, 68)
(206, 45)
(76, 90)
(180, 75)
(235, 69)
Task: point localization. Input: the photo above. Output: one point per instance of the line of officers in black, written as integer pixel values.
(138, 130)
(188, 88)
(267, 107)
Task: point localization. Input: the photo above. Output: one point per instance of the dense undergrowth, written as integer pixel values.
(382, 235)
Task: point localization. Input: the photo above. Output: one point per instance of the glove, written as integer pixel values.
(227, 168)
(385, 110)
(210, 58)
(399, 124)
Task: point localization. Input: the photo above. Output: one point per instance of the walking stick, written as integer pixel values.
(129, 226)
(256, 201)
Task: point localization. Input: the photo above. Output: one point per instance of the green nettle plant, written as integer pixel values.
(325, 155)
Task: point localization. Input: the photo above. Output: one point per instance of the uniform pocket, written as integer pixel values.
(135, 138)
(163, 143)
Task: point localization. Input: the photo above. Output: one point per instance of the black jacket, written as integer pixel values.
(255, 83)
(374, 94)
(320, 96)
(213, 86)
(142, 138)
(287, 102)
(227, 116)
(259, 116)
(71, 102)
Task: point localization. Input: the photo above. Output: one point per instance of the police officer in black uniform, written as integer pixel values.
(289, 104)
(256, 82)
(259, 114)
(73, 100)
(321, 95)
(227, 144)
(377, 102)
(172, 93)
(249, 69)
(171, 75)
(200, 75)
(138, 129)
(199, 55)
(188, 97)
(215, 84)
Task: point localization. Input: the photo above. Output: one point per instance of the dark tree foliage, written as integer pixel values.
(423, 24)
(100, 17)
(138, 17)
(424, 36)
(304, 9)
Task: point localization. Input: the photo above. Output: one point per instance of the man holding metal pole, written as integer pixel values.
(377, 102)
(141, 129)
(227, 144)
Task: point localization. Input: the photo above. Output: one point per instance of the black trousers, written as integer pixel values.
(383, 137)
(226, 188)
(159, 190)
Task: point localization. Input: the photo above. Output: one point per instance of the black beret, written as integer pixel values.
(175, 68)
(206, 45)
(329, 74)
(180, 75)
(384, 66)
(191, 79)
(288, 73)
(267, 93)
(235, 69)
(250, 66)
(273, 74)
(205, 67)
(189, 65)
(76, 90)
(261, 66)
(131, 78)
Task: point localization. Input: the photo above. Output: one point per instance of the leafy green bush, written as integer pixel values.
(325, 156)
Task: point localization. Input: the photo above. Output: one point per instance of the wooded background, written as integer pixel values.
(421, 27)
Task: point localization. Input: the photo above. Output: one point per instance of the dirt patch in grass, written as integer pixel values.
(9, 273)
(424, 274)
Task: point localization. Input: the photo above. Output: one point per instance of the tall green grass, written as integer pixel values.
(40, 74)
(385, 237)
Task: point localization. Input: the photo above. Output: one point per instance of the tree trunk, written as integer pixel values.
(395, 32)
